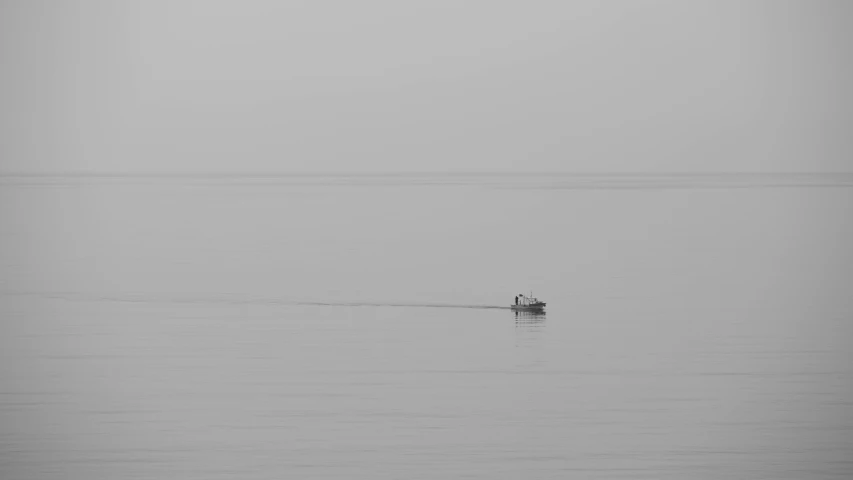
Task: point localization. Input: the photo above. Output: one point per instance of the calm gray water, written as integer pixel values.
(173, 327)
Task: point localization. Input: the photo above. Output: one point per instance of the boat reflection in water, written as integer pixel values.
(529, 318)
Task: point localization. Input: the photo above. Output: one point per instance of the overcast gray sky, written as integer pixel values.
(387, 85)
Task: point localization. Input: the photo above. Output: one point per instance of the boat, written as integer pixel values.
(524, 303)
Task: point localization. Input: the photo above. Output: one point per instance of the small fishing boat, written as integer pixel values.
(524, 303)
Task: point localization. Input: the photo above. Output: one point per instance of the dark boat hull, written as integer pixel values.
(533, 307)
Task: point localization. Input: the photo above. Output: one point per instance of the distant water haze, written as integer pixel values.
(583, 86)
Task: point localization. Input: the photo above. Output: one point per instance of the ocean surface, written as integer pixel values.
(357, 327)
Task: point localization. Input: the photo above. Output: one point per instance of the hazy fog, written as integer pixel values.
(236, 86)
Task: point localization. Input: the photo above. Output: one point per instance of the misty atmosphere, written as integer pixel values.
(546, 239)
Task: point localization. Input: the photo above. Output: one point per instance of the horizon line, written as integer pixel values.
(394, 173)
